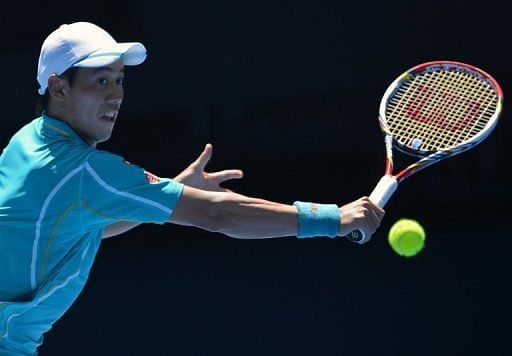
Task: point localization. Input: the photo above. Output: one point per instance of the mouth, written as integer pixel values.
(110, 117)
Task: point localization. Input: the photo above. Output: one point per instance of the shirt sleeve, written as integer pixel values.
(113, 189)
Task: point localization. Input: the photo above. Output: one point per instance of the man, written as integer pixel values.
(59, 195)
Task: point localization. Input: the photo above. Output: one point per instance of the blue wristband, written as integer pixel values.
(317, 219)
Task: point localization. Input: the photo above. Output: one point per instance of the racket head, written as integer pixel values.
(440, 107)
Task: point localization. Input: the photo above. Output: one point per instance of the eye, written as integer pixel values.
(102, 81)
(119, 81)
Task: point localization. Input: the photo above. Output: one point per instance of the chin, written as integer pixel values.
(105, 139)
(102, 139)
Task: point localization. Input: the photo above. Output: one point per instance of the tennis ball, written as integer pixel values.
(406, 237)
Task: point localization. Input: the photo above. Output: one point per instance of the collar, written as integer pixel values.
(58, 127)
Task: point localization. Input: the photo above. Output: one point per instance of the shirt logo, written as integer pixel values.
(151, 178)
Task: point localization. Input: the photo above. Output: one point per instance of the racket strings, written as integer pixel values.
(447, 101)
(428, 108)
(440, 109)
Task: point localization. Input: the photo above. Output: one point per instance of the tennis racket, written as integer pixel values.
(433, 111)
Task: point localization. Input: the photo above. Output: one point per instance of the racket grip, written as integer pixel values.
(380, 195)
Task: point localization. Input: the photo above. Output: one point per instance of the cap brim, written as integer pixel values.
(131, 53)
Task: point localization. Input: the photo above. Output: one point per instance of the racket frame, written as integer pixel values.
(388, 183)
(431, 157)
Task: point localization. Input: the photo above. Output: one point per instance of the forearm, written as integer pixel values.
(244, 217)
(235, 215)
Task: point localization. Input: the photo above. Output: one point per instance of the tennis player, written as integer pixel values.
(60, 195)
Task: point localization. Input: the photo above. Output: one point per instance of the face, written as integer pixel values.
(92, 103)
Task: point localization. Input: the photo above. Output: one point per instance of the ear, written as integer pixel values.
(57, 87)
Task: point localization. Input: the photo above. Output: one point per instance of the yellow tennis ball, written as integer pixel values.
(407, 237)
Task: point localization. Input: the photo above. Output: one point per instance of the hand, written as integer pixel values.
(195, 176)
(361, 214)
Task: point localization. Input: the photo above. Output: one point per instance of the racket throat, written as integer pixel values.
(384, 190)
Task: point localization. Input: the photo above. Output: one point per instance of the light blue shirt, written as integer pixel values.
(57, 194)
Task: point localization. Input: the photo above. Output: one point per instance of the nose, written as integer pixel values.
(116, 95)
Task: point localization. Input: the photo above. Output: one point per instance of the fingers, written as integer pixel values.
(196, 176)
(204, 157)
(225, 175)
(361, 214)
(373, 215)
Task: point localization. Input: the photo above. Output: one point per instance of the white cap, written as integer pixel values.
(83, 44)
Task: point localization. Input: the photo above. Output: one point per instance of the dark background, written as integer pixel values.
(288, 91)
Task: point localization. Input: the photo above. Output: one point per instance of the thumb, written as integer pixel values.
(204, 157)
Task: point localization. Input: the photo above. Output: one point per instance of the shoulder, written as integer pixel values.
(112, 166)
(27, 132)
(106, 159)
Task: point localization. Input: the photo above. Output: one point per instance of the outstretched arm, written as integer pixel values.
(207, 205)
(240, 216)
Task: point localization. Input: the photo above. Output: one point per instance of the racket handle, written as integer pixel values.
(380, 195)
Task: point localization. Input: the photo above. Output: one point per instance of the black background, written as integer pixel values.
(288, 91)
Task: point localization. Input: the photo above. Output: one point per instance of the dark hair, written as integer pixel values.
(42, 101)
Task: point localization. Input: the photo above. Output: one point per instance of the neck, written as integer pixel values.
(61, 117)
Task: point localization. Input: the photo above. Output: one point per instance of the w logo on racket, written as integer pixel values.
(436, 107)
